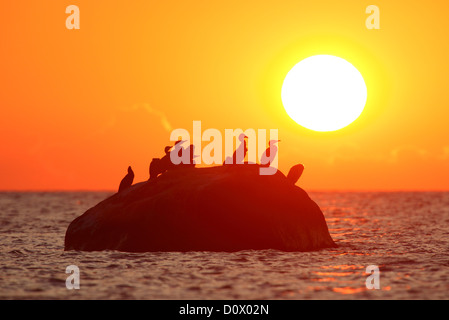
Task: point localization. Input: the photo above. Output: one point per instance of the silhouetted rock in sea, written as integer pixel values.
(223, 208)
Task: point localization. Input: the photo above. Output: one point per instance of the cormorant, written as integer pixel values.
(269, 154)
(177, 148)
(127, 181)
(239, 154)
(294, 173)
(160, 165)
(190, 150)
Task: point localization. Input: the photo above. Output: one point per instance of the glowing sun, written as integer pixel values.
(324, 93)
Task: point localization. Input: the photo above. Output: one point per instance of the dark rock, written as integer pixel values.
(223, 208)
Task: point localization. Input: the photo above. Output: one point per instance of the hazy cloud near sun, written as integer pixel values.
(115, 118)
(411, 152)
(407, 152)
(352, 152)
(159, 114)
(344, 152)
(445, 154)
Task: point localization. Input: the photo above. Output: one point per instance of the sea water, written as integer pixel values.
(404, 234)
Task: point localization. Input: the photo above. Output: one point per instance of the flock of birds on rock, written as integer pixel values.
(160, 165)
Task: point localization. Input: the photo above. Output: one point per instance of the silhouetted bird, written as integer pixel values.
(239, 154)
(160, 165)
(294, 173)
(127, 181)
(269, 154)
(177, 148)
(190, 150)
(154, 168)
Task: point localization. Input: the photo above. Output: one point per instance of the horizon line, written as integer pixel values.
(310, 190)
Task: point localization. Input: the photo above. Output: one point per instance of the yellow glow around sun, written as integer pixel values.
(324, 93)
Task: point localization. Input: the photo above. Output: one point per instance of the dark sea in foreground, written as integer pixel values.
(406, 234)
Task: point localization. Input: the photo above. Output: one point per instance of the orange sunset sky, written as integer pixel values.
(79, 106)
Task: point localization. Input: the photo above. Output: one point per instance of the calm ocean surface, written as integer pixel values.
(405, 234)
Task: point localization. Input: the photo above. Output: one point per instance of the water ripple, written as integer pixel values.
(405, 234)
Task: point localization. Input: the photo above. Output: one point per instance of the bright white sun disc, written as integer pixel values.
(324, 93)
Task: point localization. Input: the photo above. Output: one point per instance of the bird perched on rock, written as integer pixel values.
(294, 173)
(127, 181)
(178, 149)
(270, 153)
(239, 154)
(160, 165)
(190, 151)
